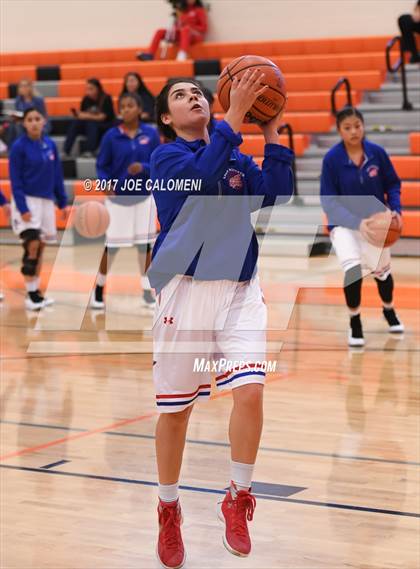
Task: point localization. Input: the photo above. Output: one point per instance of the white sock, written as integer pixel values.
(168, 492)
(37, 281)
(354, 312)
(241, 475)
(31, 286)
(182, 55)
(101, 279)
(388, 306)
(145, 282)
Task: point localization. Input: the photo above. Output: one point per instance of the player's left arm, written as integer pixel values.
(59, 190)
(392, 184)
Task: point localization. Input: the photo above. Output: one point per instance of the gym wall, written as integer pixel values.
(36, 25)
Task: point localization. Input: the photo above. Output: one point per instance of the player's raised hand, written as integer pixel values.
(243, 94)
(270, 128)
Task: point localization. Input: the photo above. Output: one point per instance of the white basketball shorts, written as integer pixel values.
(42, 218)
(206, 328)
(131, 224)
(352, 249)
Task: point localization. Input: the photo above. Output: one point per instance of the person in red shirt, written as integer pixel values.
(190, 27)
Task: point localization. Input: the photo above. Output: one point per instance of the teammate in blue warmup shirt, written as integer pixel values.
(204, 272)
(352, 171)
(124, 155)
(37, 184)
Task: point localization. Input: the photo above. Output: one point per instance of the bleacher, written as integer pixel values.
(311, 69)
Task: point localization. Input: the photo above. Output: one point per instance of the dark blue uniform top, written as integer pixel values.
(35, 170)
(118, 151)
(209, 234)
(343, 185)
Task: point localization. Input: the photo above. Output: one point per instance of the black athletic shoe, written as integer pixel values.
(34, 301)
(148, 299)
(97, 300)
(356, 338)
(47, 301)
(395, 326)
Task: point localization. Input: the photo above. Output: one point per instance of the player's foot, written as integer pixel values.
(97, 300)
(395, 326)
(148, 299)
(170, 548)
(356, 338)
(235, 513)
(47, 301)
(34, 301)
(144, 56)
(1, 296)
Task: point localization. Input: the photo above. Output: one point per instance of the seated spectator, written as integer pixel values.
(27, 97)
(133, 83)
(190, 27)
(95, 117)
(410, 25)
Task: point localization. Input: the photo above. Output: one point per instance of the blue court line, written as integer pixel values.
(53, 464)
(224, 445)
(219, 492)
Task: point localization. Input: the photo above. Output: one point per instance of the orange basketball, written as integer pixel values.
(91, 219)
(386, 229)
(270, 103)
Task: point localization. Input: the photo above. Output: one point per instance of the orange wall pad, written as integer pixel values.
(410, 194)
(407, 167)
(415, 142)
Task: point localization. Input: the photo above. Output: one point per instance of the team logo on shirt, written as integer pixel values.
(234, 178)
(144, 139)
(373, 171)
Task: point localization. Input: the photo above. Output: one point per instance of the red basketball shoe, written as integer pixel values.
(235, 513)
(170, 548)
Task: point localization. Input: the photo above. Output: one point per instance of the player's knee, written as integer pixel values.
(143, 249)
(32, 247)
(179, 418)
(249, 396)
(353, 286)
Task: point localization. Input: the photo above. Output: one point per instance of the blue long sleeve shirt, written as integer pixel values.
(35, 170)
(117, 152)
(3, 199)
(209, 234)
(344, 186)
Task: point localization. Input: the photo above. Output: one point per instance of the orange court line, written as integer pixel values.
(55, 442)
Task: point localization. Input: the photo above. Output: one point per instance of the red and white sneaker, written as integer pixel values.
(170, 548)
(235, 513)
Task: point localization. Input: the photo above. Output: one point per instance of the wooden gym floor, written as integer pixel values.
(337, 476)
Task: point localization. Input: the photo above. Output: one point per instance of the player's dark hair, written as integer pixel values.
(348, 112)
(136, 98)
(31, 110)
(162, 106)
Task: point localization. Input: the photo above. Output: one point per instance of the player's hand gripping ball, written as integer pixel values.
(268, 104)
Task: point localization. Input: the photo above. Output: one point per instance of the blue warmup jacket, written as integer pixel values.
(208, 234)
(342, 179)
(35, 170)
(118, 151)
(3, 199)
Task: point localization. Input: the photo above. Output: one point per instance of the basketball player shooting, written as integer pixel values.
(193, 292)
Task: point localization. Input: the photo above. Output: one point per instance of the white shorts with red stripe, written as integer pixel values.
(131, 224)
(203, 329)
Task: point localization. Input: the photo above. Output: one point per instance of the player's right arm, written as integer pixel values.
(16, 165)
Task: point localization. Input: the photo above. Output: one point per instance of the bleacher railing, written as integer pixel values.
(399, 65)
(288, 128)
(342, 81)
